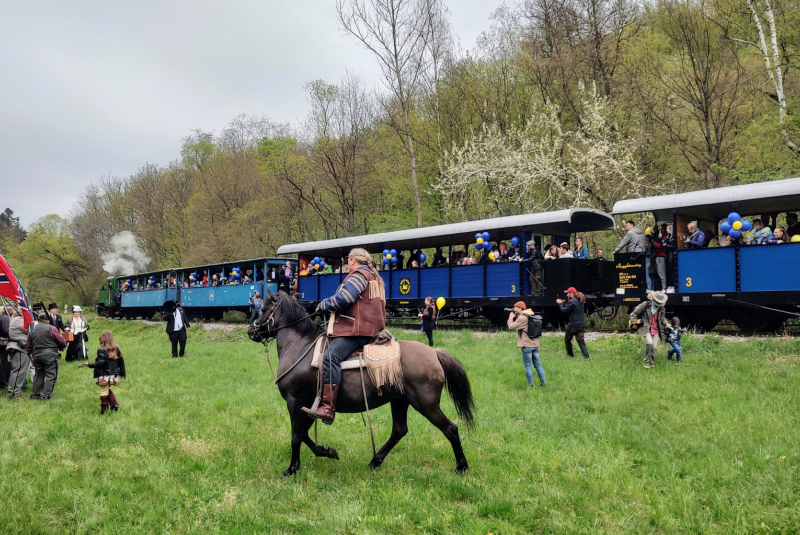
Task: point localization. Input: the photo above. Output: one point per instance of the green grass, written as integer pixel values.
(710, 446)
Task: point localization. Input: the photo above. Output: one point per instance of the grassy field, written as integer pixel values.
(710, 446)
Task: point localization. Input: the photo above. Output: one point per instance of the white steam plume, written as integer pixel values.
(124, 256)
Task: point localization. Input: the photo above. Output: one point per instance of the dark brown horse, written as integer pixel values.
(425, 370)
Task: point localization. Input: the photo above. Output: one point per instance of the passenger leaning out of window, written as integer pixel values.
(552, 253)
(565, 252)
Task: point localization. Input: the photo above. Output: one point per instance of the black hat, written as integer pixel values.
(169, 306)
(51, 306)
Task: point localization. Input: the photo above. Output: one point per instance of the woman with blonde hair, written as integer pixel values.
(109, 366)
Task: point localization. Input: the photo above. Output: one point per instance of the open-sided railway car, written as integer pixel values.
(749, 285)
(145, 293)
(470, 290)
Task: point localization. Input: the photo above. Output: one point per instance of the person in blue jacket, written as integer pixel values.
(581, 251)
(696, 238)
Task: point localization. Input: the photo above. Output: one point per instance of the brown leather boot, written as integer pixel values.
(327, 410)
(103, 404)
(112, 400)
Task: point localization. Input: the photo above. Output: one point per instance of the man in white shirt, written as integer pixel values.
(565, 252)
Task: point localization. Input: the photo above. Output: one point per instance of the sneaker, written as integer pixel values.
(646, 365)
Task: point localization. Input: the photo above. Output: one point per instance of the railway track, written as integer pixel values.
(486, 327)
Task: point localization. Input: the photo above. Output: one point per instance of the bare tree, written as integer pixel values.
(694, 87)
(395, 32)
(340, 121)
(759, 26)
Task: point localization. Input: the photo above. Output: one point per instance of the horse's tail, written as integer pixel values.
(457, 382)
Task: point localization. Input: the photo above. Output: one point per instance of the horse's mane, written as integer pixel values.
(305, 326)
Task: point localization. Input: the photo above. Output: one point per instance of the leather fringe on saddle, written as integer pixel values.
(382, 356)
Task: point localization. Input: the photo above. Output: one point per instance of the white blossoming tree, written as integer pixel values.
(543, 166)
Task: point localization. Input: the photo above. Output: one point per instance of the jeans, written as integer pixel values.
(647, 269)
(254, 315)
(338, 350)
(532, 354)
(676, 350)
(428, 330)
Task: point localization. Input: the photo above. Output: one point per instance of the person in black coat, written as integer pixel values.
(177, 323)
(109, 367)
(576, 324)
(57, 322)
(428, 319)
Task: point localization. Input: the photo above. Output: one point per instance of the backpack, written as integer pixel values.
(534, 327)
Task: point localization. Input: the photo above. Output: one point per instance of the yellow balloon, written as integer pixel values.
(389, 256)
(648, 230)
(316, 266)
(737, 225)
(440, 302)
(796, 238)
(479, 241)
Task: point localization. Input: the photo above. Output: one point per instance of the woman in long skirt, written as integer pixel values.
(77, 325)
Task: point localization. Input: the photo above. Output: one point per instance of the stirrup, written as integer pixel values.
(314, 406)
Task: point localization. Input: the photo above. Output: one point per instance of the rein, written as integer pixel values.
(269, 336)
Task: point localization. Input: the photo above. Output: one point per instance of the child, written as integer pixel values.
(674, 339)
(109, 366)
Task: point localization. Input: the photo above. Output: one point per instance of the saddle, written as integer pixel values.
(381, 357)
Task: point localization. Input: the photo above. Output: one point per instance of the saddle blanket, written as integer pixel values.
(382, 361)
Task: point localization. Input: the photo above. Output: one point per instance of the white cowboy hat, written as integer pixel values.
(659, 298)
(77, 308)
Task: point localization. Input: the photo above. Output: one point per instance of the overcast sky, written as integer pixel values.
(97, 88)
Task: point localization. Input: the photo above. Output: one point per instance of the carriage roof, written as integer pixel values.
(712, 204)
(561, 222)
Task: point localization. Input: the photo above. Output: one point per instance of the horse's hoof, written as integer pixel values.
(375, 464)
(290, 472)
(332, 453)
(460, 469)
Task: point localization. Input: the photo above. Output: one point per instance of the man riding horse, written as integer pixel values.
(358, 313)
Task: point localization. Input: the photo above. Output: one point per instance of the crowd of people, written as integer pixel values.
(659, 243)
(503, 252)
(214, 279)
(35, 352)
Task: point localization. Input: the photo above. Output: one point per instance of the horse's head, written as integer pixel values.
(269, 318)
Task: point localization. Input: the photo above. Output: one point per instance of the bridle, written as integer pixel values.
(272, 331)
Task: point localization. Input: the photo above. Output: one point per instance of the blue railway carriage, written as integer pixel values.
(754, 285)
(205, 292)
(481, 288)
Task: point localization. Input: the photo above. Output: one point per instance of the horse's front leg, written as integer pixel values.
(318, 449)
(299, 430)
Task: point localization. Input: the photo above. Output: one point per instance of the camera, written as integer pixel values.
(508, 310)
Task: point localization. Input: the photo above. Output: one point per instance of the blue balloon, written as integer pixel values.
(385, 260)
(746, 225)
(734, 233)
(733, 216)
(394, 253)
(485, 236)
(394, 260)
(478, 235)
(514, 241)
(422, 257)
(385, 252)
(726, 227)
